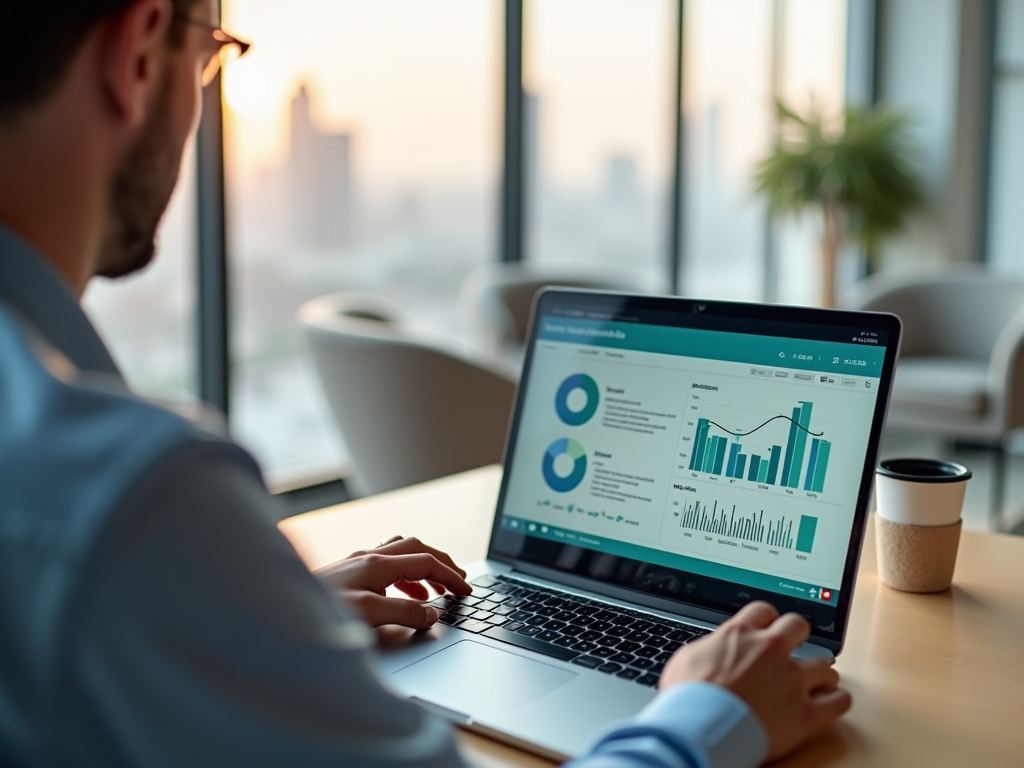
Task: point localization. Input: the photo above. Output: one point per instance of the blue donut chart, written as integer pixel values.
(574, 382)
(578, 454)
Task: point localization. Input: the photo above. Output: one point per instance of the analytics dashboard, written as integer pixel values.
(690, 449)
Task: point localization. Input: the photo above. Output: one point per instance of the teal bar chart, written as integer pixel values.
(718, 454)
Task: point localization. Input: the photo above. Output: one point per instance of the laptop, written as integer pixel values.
(668, 461)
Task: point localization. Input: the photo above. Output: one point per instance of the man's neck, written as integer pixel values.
(53, 188)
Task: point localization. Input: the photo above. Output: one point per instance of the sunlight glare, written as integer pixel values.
(253, 88)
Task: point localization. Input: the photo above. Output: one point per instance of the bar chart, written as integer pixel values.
(752, 527)
(722, 454)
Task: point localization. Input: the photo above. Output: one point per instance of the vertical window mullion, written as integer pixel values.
(676, 218)
(770, 267)
(513, 222)
(212, 270)
(985, 135)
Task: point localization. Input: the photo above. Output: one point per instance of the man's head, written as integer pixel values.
(106, 93)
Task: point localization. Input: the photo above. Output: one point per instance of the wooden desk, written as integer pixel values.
(937, 680)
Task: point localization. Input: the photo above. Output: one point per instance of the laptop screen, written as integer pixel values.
(695, 453)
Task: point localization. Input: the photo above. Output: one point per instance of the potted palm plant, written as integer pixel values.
(855, 172)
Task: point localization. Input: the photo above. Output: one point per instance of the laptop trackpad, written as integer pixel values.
(478, 680)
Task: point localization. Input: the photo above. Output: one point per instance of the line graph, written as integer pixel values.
(762, 426)
(722, 455)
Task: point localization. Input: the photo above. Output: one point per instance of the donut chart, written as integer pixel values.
(576, 452)
(578, 381)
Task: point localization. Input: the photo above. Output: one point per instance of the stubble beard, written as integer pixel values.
(140, 192)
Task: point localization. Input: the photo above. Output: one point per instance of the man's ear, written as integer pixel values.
(134, 52)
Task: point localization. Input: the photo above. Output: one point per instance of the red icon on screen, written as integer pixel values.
(826, 594)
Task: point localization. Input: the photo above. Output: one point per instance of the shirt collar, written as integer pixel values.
(29, 285)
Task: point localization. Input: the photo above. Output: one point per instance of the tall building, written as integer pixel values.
(321, 189)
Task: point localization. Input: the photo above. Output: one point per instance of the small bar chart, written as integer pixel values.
(698, 517)
(723, 454)
(749, 527)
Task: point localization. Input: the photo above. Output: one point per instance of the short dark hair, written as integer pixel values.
(38, 40)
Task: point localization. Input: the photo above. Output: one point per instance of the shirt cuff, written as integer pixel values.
(704, 724)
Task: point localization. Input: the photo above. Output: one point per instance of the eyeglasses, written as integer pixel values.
(227, 47)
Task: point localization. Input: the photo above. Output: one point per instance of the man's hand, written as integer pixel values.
(750, 656)
(363, 578)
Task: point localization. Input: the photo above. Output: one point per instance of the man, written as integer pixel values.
(150, 612)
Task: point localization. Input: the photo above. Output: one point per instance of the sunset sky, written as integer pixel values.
(419, 83)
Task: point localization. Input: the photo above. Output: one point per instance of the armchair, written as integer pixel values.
(409, 409)
(961, 369)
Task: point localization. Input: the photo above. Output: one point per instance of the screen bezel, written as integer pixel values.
(699, 313)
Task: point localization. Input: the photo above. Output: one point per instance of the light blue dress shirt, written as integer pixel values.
(151, 614)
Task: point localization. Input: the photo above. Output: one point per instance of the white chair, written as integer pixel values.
(961, 369)
(499, 297)
(408, 409)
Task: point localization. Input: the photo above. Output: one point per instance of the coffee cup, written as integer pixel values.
(918, 522)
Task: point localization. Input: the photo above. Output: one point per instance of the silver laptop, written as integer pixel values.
(668, 461)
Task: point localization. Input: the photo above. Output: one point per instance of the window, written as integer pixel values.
(918, 51)
(599, 80)
(147, 319)
(363, 148)
(811, 45)
(363, 145)
(727, 107)
(1006, 196)
(738, 57)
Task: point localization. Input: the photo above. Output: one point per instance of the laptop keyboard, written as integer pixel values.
(617, 641)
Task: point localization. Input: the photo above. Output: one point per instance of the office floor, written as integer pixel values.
(977, 505)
